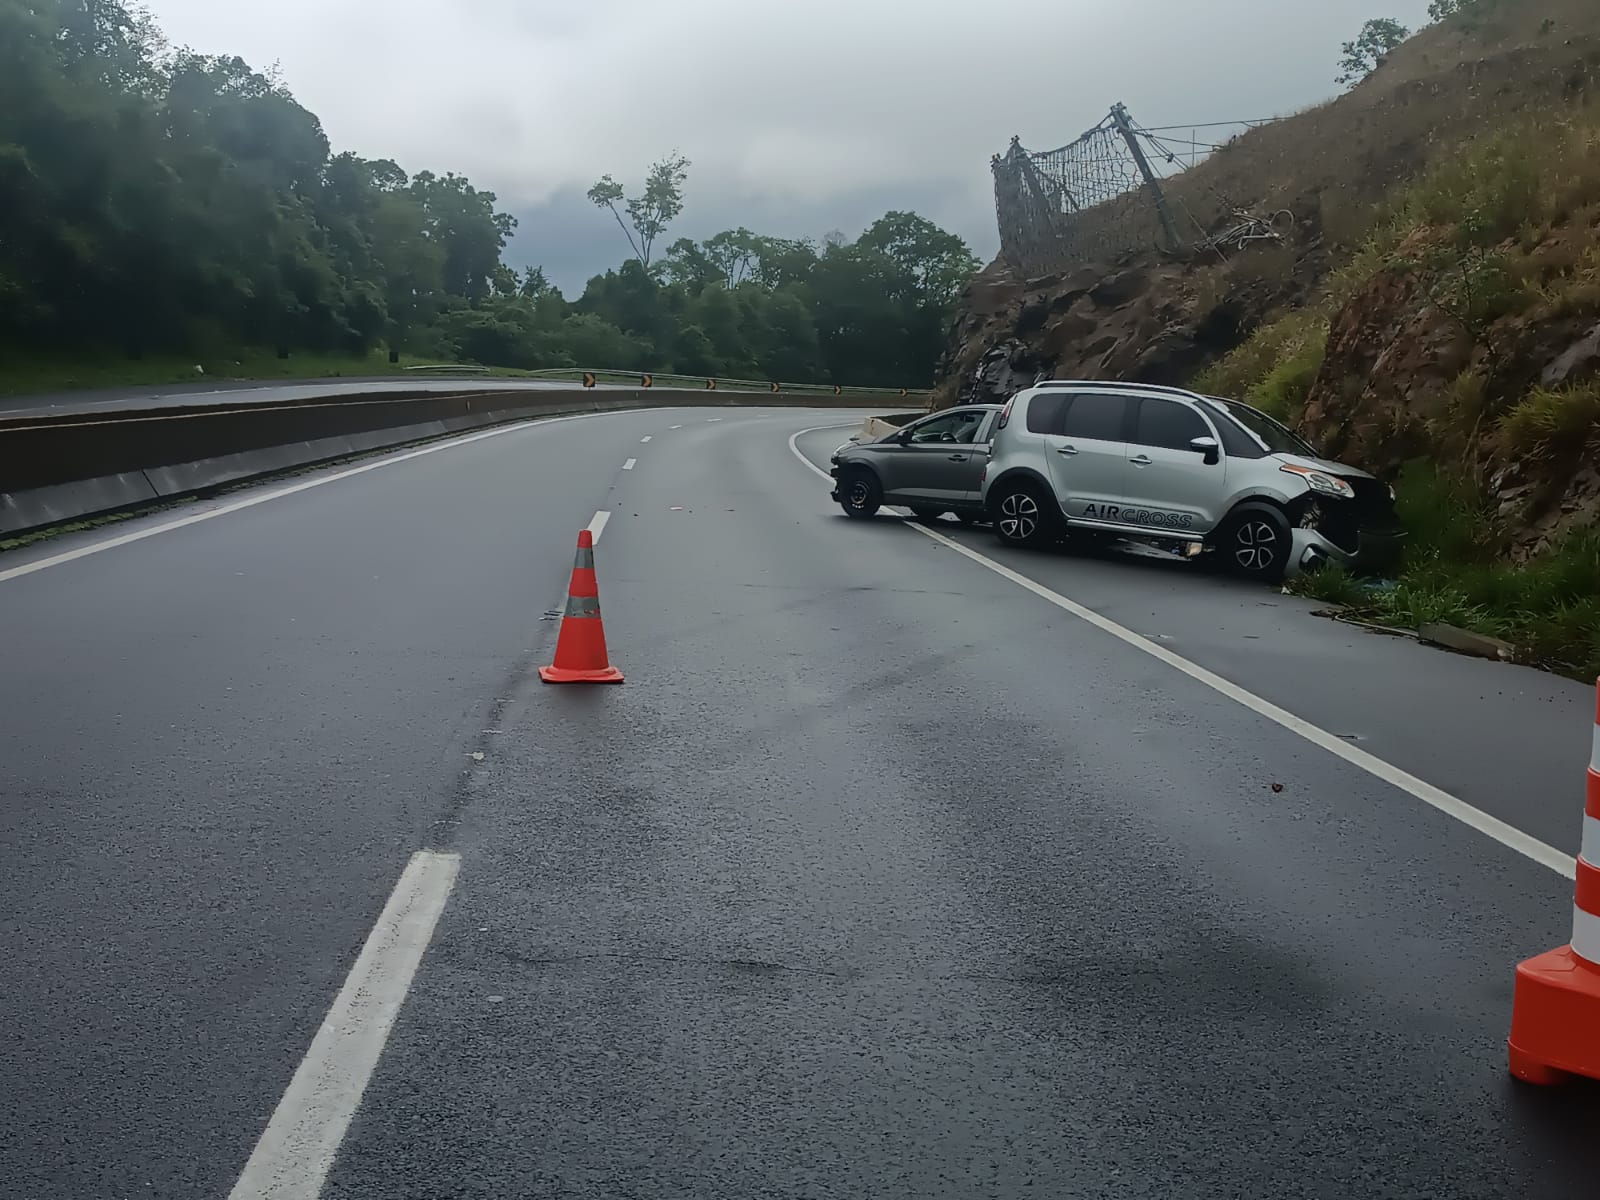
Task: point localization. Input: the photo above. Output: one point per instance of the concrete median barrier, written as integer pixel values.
(63, 468)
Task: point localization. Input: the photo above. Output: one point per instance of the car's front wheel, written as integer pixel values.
(1256, 543)
(860, 494)
(1021, 514)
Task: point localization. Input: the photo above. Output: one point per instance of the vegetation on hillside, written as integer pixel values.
(156, 202)
(1501, 243)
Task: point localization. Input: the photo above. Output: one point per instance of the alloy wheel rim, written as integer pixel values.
(1256, 546)
(1019, 516)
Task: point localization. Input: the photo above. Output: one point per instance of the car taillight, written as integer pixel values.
(1005, 414)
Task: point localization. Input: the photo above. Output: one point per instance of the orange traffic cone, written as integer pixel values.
(581, 644)
(1555, 1017)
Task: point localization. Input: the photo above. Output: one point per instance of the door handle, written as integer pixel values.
(1066, 449)
(958, 458)
(1141, 461)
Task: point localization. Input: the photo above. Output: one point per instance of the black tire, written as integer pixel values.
(1022, 513)
(861, 495)
(927, 514)
(1255, 542)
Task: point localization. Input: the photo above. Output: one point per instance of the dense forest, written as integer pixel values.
(154, 200)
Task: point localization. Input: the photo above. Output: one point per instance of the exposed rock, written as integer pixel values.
(1390, 360)
(1579, 360)
(1113, 291)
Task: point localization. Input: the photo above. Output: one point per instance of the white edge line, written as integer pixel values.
(1507, 835)
(628, 466)
(255, 498)
(298, 1146)
(597, 525)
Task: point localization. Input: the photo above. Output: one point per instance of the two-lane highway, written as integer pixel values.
(882, 874)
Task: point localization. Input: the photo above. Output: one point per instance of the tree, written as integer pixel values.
(1377, 40)
(651, 211)
(933, 265)
(1443, 10)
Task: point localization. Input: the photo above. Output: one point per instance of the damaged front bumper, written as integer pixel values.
(1369, 551)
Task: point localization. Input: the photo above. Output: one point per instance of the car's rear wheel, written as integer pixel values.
(1021, 513)
(1256, 543)
(860, 494)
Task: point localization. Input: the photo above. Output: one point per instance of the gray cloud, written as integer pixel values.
(799, 119)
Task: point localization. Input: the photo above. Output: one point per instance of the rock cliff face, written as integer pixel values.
(1151, 322)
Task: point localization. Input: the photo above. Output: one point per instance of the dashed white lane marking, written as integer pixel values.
(674, 426)
(1507, 835)
(597, 525)
(255, 498)
(645, 439)
(292, 1159)
(713, 420)
(628, 466)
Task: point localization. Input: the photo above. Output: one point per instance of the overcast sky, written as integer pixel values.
(799, 118)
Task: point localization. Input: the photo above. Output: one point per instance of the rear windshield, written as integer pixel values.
(1279, 439)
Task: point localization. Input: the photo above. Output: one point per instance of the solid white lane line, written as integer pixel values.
(255, 498)
(292, 1159)
(628, 466)
(597, 525)
(1507, 835)
(644, 439)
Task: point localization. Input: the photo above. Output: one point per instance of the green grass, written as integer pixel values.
(1548, 420)
(1455, 572)
(1294, 336)
(1287, 387)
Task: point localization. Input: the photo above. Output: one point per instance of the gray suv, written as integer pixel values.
(932, 466)
(1172, 466)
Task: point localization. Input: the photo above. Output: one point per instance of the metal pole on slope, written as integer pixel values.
(1119, 115)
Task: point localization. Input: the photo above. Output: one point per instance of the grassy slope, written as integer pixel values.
(1506, 226)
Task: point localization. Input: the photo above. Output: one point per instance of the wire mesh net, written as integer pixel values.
(1090, 201)
(1084, 202)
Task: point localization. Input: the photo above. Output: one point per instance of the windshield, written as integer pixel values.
(1277, 438)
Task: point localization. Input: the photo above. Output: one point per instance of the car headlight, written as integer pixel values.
(1321, 482)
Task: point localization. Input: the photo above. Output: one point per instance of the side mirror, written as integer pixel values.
(1207, 446)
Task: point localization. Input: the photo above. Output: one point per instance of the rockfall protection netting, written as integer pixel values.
(1092, 200)
(1084, 202)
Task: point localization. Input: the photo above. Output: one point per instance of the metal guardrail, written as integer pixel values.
(596, 376)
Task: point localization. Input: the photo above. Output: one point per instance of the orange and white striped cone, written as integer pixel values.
(581, 644)
(1555, 1017)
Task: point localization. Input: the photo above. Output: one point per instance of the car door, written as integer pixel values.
(982, 445)
(1170, 485)
(1087, 453)
(935, 460)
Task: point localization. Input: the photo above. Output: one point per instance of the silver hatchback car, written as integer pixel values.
(1172, 466)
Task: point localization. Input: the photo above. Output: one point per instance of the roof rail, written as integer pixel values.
(1114, 384)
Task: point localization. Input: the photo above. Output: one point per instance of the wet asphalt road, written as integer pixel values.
(879, 877)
